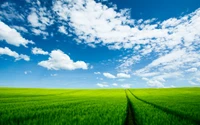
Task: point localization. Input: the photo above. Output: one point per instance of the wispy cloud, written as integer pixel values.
(97, 73)
(9, 52)
(11, 36)
(123, 75)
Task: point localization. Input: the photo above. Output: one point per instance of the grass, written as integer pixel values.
(57, 107)
(184, 102)
(146, 114)
(178, 106)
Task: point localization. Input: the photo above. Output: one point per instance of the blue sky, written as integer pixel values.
(99, 44)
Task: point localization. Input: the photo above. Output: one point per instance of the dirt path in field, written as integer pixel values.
(130, 117)
(168, 111)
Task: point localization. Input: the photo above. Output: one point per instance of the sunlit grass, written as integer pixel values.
(69, 107)
(166, 106)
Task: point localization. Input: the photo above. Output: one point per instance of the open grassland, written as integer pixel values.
(178, 106)
(67, 107)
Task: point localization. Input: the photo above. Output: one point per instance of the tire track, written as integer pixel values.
(166, 110)
(130, 116)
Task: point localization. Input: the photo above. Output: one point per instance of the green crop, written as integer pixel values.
(57, 107)
(146, 114)
(178, 106)
(182, 102)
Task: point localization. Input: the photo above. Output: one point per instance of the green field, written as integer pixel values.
(23, 106)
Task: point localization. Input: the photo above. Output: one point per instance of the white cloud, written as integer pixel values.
(62, 30)
(34, 20)
(11, 36)
(95, 23)
(108, 75)
(155, 83)
(197, 79)
(102, 85)
(193, 83)
(61, 61)
(39, 32)
(97, 73)
(115, 84)
(146, 79)
(176, 63)
(20, 29)
(36, 51)
(7, 51)
(123, 75)
(8, 12)
(171, 86)
(39, 18)
(126, 85)
(127, 62)
(192, 70)
(174, 42)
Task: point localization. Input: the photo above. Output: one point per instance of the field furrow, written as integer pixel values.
(130, 117)
(168, 111)
(99, 107)
(146, 114)
(181, 101)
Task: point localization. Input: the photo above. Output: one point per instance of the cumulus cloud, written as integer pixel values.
(176, 53)
(174, 41)
(108, 75)
(7, 51)
(11, 36)
(123, 75)
(61, 61)
(36, 51)
(94, 22)
(102, 85)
